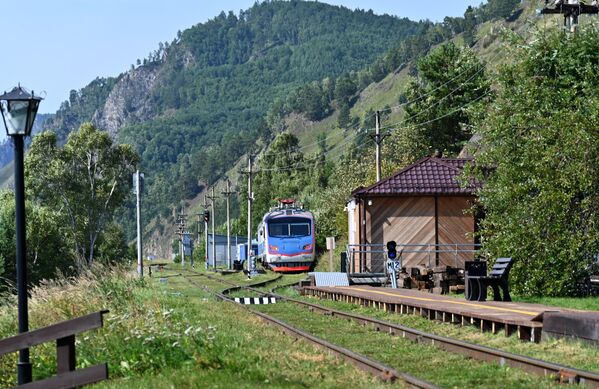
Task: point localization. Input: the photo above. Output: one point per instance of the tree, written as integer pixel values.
(47, 247)
(89, 178)
(343, 119)
(112, 246)
(540, 156)
(450, 79)
(469, 26)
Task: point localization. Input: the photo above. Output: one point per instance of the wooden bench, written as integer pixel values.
(497, 278)
(160, 267)
(64, 335)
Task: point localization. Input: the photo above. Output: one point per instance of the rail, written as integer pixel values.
(362, 362)
(64, 335)
(371, 258)
(561, 373)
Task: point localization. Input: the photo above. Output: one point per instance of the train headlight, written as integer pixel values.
(307, 247)
(273, 248)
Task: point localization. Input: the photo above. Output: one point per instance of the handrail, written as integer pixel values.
(429, 250)
(51, 333)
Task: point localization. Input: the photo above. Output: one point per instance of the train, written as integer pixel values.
(286, 239)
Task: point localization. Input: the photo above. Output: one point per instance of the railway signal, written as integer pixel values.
(206, 215)
(392, 250)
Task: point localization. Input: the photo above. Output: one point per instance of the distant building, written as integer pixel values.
(221, 248)
(423, 205)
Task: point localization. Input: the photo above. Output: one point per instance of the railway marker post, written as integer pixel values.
(331, 247)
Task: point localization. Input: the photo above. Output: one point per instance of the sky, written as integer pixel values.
(60, 45)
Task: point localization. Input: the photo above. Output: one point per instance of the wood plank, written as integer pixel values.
(80, 377)
(51, 333)
(498, 312)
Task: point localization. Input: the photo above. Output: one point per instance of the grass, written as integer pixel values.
(583, 303)
(422, 361)
(167, 333)
(563, 351)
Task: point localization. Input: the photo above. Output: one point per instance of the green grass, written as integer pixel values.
(422, 361)
(584, 303)
(563, 351)
(164, 332)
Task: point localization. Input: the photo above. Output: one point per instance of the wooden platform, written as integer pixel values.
(525, 320)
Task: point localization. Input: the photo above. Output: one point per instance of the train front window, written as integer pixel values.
(289, 227)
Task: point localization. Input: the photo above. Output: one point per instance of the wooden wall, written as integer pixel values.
(411, 220)
(455, 226)
(404, 220)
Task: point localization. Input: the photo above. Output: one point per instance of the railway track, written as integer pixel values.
(561, 373)
(362, 362)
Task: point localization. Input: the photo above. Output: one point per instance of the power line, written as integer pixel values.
(413, 100)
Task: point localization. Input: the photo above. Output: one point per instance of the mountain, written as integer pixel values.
(198, 103)
(223, 88)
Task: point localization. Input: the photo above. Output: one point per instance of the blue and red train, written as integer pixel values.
(286, 239)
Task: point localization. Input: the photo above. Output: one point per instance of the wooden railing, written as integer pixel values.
(64, 335)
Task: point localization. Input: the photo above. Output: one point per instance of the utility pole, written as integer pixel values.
(228, 193)
(251, 268)
(139, 177)
(378, 139)
(571, 9)
(206, 229)
(212, 197)
(182, 224)
(199, 229)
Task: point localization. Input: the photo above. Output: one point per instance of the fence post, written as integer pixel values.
(456, 256)
(429, 255)
(65, 354)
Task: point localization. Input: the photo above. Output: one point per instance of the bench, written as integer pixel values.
(64, 335)
(498, 278)
(160, 267)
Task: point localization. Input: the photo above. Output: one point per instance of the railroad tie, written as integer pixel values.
(255, 300)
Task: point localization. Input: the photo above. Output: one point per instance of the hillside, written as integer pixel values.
(214, 82)
(198, 103)
(226, 87)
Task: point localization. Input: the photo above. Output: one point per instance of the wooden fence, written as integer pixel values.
(64, 335)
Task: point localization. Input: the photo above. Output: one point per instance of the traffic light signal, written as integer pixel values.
(391, 249)
(206, 215)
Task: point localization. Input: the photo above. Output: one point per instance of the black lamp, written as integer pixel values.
(18, 108)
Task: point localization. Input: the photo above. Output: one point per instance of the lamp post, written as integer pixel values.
(18, 108)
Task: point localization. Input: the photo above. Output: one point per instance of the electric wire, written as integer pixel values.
(390, 127)
(419, 97)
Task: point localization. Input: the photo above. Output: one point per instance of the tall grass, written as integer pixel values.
(169, 334)
(140, 334)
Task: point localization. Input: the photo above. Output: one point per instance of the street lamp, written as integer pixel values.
(18, 108)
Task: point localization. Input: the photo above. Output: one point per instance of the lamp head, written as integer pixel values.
(19, 108)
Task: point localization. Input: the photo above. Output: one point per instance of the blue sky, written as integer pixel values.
(59, 45)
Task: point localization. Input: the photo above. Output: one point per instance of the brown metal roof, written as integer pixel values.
(428, 176)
